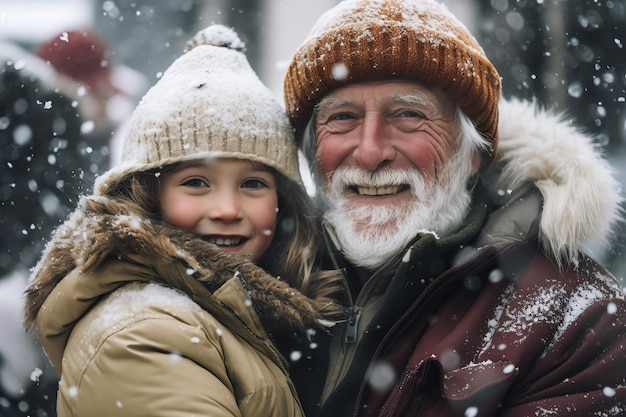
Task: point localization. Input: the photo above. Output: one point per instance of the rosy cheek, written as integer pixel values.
(179, 214)
(423, 157)
(330, 157)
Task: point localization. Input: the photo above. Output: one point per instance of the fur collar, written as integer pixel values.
(100, 228)
(581, 195)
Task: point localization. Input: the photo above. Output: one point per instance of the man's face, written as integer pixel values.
(389, 166)
(376, 125)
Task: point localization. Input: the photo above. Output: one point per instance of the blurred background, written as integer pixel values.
(60, 128)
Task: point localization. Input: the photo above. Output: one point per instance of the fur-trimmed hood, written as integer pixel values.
(580, 193)
(100, 229)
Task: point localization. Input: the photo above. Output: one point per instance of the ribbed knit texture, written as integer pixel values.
(360, 40)
(209, 103)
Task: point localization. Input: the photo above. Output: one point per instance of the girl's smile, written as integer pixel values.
(231, 203)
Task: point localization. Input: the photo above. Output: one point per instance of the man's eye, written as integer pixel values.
(340, 117)
(195, 183)
(253, 184)
(407, 120)
(342, 122)
(409, 113)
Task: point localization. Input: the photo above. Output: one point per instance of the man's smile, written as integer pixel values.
(386, 190)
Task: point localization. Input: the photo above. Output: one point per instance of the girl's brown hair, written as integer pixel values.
(291, 254)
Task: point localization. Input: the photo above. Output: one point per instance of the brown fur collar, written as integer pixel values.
(100, 228)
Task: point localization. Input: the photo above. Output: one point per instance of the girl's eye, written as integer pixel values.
(195, 183)
(253, 184)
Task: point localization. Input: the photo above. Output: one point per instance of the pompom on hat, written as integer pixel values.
(361, 40)
(209, 103)
(83, 56)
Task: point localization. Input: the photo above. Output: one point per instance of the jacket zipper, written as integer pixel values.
(353, 325)
(383, 342)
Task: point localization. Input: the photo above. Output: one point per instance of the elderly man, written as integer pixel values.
(462, 222)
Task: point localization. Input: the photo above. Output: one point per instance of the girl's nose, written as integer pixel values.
(224, 206)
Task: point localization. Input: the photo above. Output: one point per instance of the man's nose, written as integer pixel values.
(374, 148)
(225, 206)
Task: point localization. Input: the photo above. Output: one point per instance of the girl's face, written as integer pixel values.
(229, 202)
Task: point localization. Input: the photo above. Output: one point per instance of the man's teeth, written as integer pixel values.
(219, 241)
(390, 189)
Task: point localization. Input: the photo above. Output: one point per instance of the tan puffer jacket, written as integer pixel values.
(146, 320)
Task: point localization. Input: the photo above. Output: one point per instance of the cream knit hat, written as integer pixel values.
(360, 40)
(209, 103)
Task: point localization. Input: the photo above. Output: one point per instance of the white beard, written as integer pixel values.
(370, 235)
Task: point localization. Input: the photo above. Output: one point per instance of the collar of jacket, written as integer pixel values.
(494, 223)
(580, 192)
(100, 230)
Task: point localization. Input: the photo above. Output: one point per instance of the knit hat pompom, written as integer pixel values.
(361, 40)
(81, 55)
(208, 103)
(216, 35)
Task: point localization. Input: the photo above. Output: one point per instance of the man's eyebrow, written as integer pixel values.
(416, 98)
(330, 103)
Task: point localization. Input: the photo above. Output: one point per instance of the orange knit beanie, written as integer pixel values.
(360, 40)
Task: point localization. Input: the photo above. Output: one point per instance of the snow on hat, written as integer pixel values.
(81, 55)
(360, 40)
(209, 103)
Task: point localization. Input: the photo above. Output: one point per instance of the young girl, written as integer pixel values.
(156, 297)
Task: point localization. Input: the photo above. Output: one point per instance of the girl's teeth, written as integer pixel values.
(224, 241)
